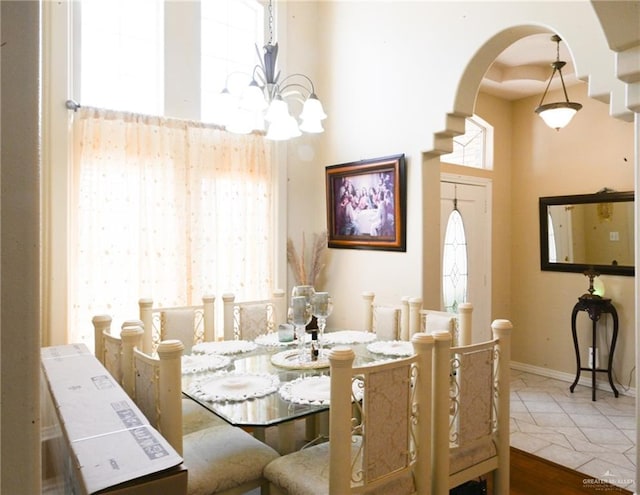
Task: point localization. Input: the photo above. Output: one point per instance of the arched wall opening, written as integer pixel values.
(463, 106)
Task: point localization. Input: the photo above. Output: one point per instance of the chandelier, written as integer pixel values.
(557, 115)
(264, 103)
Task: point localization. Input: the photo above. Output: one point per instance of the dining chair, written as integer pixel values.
(245, 320)
(221, 459)
(391, 322)
(457, 324)
(471, 410)
(189, 324)
(379, 430)
(117, 357)
(109, 349)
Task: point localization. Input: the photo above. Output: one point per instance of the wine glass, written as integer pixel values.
(300, 317)
(307, 291)
(321, 308)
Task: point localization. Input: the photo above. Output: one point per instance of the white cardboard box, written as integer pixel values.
(110, 446)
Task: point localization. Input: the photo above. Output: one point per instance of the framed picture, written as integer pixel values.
(366, 204)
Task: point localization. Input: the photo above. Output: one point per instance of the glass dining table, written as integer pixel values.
(262, 384)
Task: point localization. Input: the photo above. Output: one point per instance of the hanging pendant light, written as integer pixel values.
(263, 104)
(557, 115)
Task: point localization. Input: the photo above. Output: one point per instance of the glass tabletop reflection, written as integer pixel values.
(267, 407)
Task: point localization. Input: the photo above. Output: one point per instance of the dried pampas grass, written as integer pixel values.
(307, 275)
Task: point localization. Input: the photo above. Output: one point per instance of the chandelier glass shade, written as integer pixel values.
(263, 105)
(557, 115)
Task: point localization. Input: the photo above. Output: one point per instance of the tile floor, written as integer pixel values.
(594, 438)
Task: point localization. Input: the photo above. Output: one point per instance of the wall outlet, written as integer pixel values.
(591, 356)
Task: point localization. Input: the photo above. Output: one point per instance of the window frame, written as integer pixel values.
(59, 64)
(487, 145)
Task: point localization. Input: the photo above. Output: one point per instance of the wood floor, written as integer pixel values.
(531, 475)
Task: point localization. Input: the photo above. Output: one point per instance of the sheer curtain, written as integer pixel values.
(167, 209)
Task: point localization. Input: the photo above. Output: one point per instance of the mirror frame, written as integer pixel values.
(600, 197)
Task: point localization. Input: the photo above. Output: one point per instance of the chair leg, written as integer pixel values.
(265, 488)
(274, 490)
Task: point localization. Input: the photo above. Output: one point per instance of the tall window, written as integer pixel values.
(475, 147)
(231, 30)
(121, 47)
(163, 208)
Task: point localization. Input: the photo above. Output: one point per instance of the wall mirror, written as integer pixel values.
(585, 230)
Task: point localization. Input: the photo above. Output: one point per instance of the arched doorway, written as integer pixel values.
(464, 106)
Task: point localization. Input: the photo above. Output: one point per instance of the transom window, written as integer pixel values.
(475, 147)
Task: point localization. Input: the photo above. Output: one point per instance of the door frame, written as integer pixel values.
(487, 184)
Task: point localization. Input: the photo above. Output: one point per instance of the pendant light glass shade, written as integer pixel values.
(311, 126)
(253, 98)
(312, 109)
(557, 115)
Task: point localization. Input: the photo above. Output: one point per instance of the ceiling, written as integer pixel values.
(523, 68)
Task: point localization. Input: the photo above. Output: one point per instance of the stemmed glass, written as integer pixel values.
(300, 317)
(303, 290)
(321, 308)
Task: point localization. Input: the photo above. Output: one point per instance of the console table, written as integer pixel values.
(595, 306)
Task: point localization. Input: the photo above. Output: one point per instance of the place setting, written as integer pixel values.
(283, 337)
(391, 348)
(199, 363)
(314, 390)
(224, 347)
(347, 337)
(309, 352)
(234, 386)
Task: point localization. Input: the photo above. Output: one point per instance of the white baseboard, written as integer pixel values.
(585, 377)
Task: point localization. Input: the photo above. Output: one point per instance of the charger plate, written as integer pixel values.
(234, 386)
(290, 360)
(314, 390)
(348, 337)
(271, 340)
(197, 363)
(224, 347)
(396, 348)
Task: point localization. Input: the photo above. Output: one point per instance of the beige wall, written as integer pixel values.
(397, 84)
(389, 74)
(530, 161)
(390, 87)
(593, 152)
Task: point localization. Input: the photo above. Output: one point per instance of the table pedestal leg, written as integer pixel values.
(287, 437)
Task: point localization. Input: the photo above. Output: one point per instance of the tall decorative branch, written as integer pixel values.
(307, 275)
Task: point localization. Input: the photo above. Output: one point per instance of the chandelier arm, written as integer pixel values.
(259, 76)
(283, 89)
(313, 89)
(235, 73)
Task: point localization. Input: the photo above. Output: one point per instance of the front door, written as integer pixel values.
(472, 197)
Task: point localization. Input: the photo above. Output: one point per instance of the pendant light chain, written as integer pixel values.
(270, 23)
(557, 115)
